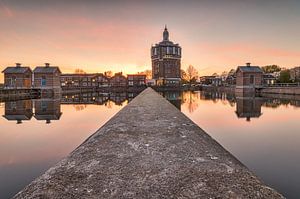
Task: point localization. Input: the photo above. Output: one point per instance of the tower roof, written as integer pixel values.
(166, 34)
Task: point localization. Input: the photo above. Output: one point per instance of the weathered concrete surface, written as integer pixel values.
(149, 150)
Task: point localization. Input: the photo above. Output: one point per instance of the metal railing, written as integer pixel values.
(284, 85)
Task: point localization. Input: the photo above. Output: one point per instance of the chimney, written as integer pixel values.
(47, 65)
(248, 64)
(18, 65)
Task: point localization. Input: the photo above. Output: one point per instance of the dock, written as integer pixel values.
(149, 149)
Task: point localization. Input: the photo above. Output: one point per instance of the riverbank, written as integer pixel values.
(149, 150)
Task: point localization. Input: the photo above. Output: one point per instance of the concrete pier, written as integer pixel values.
(149, 150)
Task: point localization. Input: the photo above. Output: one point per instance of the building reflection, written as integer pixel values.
(47, 109)
(18, 110)
(174, 97)
(248, 107)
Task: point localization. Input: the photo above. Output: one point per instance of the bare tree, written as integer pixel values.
(148, 73)
(79, 71)
(108, 73)
(191, 73)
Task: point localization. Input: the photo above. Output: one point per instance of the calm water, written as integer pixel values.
(263, 133)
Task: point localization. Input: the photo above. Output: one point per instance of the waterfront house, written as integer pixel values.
(118, 80)
(136, 80)
(249, 76)
(17, 77)
(47, 78)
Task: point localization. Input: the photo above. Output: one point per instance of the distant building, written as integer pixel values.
(102, 80)
(248, 78)
(150, 82)
(118, 80)
(77, 80)
(166, 61)
(207, 80)
(17, 77)
(231, 78)
(47, 78)
(295, 74)
(84, 80)
(136, 80)
(269, 79)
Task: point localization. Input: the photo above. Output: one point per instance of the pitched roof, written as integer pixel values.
(256, 69)
(14, 69)
(43, 69)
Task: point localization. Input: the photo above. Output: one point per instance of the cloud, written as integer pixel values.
(5, 11)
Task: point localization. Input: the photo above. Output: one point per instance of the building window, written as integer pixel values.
(43, 81)
(251, 79)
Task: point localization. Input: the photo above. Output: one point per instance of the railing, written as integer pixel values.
(284, 85)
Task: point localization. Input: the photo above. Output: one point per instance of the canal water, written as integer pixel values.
(262, 132)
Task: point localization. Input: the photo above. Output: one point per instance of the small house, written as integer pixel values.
(249, 76)
(17, 77)
(47, 78)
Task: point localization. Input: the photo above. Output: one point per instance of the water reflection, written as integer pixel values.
(174, 97)
(18, 110)
(269, 128)
(47, 109)
(248, 107)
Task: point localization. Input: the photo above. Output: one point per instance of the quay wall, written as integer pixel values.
(226, 89)
(15, 94)
(281, 90)
(149, 149)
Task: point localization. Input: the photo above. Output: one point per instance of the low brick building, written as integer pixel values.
(17, 77)
(47, 78)
(136, 80)
(248, 78)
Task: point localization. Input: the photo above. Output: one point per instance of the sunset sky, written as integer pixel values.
(117, 35)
